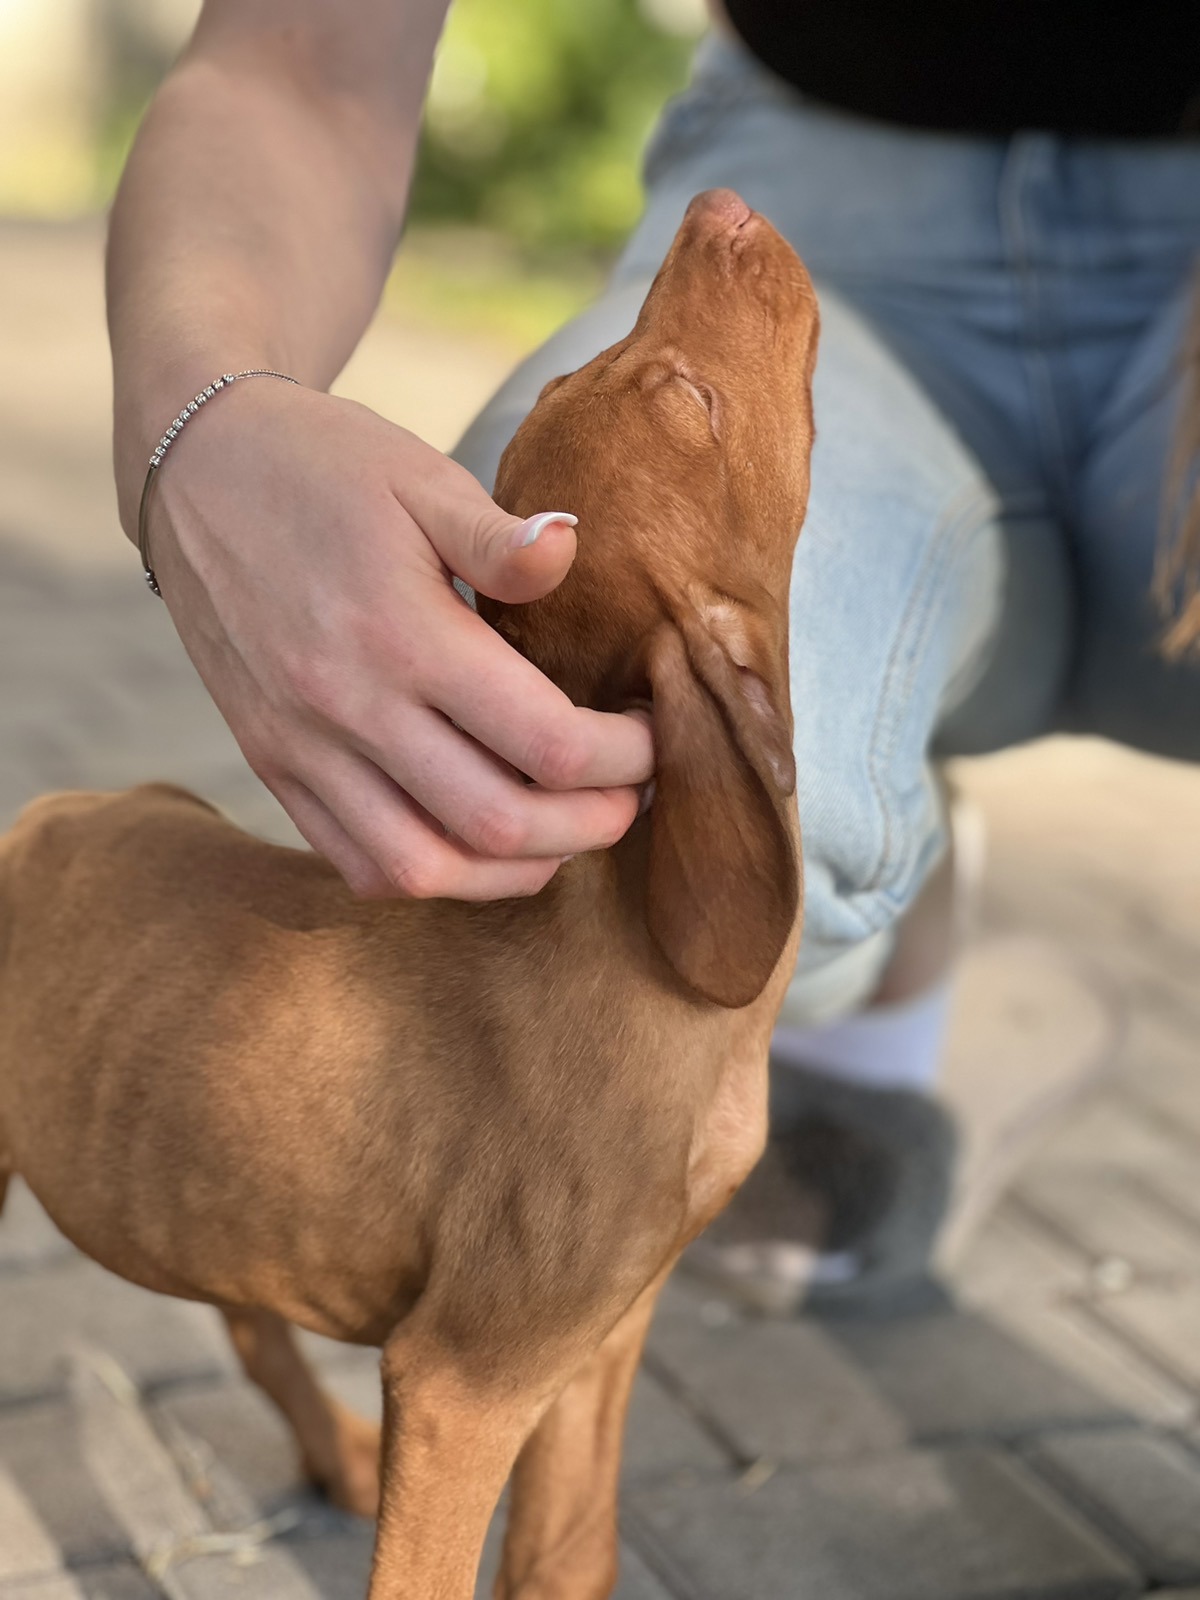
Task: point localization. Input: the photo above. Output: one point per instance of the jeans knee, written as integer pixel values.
(895, 626)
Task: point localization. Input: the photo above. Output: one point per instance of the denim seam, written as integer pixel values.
(1016, 230)
(959, 524)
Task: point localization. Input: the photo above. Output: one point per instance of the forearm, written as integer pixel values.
(254, 226)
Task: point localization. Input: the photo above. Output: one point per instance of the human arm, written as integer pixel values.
(303, 544)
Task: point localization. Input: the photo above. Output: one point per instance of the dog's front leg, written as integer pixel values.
(450, 1437)
(561, 1542)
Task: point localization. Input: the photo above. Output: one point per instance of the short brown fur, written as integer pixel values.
(477, 1136)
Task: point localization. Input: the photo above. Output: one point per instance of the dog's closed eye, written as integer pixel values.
(676, 382)
(702, 394)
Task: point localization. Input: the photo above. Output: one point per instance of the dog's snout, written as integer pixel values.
(720, 210)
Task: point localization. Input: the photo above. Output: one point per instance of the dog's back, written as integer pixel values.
(224, 1077)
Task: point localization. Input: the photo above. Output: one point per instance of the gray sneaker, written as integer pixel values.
(862, 1193)
(846, 1204)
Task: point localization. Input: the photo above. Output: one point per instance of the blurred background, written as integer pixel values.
(535, 114)
(1081, 1297)
(535, 118)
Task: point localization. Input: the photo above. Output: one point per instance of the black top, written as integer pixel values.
(1111, 68)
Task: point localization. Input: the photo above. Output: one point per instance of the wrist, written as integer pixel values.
(171, 436)
(143, 409)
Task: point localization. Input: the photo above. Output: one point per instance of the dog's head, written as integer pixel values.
(684, 452)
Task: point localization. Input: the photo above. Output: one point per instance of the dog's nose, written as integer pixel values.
(720, 209)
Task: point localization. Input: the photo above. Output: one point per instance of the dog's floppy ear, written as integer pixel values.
(724, 881)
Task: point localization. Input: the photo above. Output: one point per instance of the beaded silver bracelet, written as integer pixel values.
(174, 428)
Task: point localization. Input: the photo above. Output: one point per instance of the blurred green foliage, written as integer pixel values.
(538, 112)
(536, 118)
(529, 174)
(479, 282)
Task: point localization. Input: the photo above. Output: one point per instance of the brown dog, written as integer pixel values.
(478, 1136)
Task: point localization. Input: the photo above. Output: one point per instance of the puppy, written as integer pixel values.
(477, 1136)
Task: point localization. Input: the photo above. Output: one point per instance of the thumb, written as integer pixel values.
(507, 558)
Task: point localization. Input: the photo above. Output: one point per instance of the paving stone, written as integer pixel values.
(1014, 1261)
(104, 696)
(235, 1426)
(1070, 1336)
(1178, 1186)
(230, 1427)
(957, 1525)
(1113, 1131)
(203, 1578)
(1115, 1134)
(128, 1497)
(350, 1372)
(27, 1236)
(47, 1586)
(154, 1338)
(337, 1564)
(331, 1355)
(1108, 1215)
(636, 1581)
(122, 1582)
(354, 1380)
(128, 1462)
(956, 1373)
(1142, 1488)
(152, 1498)
(1030, 1029)
(1165, 1322)
(27, 1547)
(489, 1564)
(779, 1390)
(662, 1436)
(257, 1571)
(40, 1452)
(1162, 1053)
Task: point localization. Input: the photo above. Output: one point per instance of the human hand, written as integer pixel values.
(305, 548)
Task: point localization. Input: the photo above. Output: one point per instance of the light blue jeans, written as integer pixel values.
(1002, 322)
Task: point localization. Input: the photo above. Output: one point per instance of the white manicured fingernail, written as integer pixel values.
(532, 527)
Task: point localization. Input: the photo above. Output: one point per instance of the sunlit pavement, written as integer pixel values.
(1035, 1435)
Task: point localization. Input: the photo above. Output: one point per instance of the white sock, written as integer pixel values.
(885, 1047)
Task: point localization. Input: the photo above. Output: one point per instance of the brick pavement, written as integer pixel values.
(1032, 1434)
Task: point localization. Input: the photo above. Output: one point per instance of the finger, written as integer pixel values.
(329, 839)
(408, 847)
(509, 558)
(511, 708)
(488, 806)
